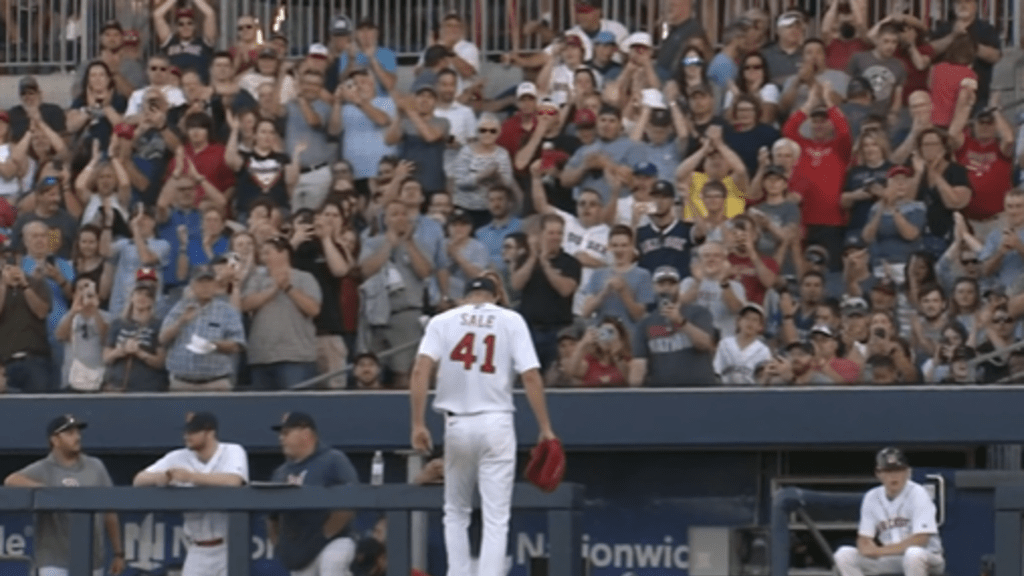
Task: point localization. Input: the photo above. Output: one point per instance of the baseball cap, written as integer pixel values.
(885, 285)
(584, 118)
(112, 25)
(203, 272)
(963, 353)
(609, 110)
(641, 38)
(605, 37)
(460, 217)
(146, 273)
(899, 170)
(184, 13)
(804, 345)
(200, 421)
(64, 422)
(422, 86)
(663, 189)
(645, 168)
(775, 170)
(822, 329)
(665, 272)
(573, 40)
(587, 6)
(570, 332)
(854, 306)
(788, 19)
(482, 283)
(552, 158)
(816, 254)
(131, 38)
(28, 83)
(750, 306)
(997, 289)
(267, 52)
(660, 117)
(295, 420)
(854, 243)
(318, 50)
(858, 86)
(890, 458)
(700, 87)
(526, 89)
(124, 130)
(341, 26)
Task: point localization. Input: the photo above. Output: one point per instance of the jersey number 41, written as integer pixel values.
(463, 352)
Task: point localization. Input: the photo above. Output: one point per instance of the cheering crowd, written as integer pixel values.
(784, 208)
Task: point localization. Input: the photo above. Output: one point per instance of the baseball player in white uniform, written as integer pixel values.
(900, 515)
(205, 461)
(477, 348)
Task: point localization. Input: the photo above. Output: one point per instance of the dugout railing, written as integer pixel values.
(563, 508)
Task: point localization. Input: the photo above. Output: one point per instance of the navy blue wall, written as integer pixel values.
(632, 419)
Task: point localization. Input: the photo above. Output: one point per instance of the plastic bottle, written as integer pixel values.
(377, 469)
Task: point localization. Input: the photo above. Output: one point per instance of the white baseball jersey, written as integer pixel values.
(228, 459)
(911, 512)
(479, 348)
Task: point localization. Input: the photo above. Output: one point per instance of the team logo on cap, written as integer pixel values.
(892, 459)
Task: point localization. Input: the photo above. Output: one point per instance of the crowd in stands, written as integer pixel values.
(781, 209)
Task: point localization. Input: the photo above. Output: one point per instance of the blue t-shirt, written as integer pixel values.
(301, 533)
(722, 69)
(621, 151)
(362, 142)
(889, 245)
(59, 304)
(640, 284)
(669, 247)
(492, 237)
(385, 57)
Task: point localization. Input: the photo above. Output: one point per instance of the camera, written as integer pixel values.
(51, 259)
(606, 334)
(664, 302)
(880, 332)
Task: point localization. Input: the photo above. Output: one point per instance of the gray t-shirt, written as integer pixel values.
(672, 360)
(280, 332)
(321, 149)
(883, 75)
(781, 215)
(711, 299)
(53, 529)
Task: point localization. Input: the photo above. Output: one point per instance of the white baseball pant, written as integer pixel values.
(54, 571)
(206, 561)
(916, 561)
(479, 450)
(334, 560)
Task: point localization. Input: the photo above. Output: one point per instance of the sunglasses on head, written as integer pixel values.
(693, 61)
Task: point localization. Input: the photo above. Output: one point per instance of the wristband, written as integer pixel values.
(725, 285)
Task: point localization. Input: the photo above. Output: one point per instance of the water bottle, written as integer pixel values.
(377, 469)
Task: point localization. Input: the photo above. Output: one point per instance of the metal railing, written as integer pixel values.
(58, 34)
(563, 507)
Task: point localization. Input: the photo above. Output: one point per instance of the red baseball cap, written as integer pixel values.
(552, 158)
(900, 169)
(145, 273)
(184, 13)
(584, 118)
(126, 131)
(585, 7)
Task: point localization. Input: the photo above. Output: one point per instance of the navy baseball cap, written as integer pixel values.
(482, 283)
(200, 421)
(663, 189)
(890, 458)
(775, 170)
(295, 420)
(645, 168)
(64, 422)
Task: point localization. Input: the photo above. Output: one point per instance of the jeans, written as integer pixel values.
(280, 375)
(790, 499)
(31, 374)
(545, 341)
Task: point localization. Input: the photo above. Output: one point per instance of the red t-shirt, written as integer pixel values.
(513, 136)
(746, 273)
(821, 170)
(990, 173)
(916, 79)
(945, 88)
(839, 51)
(210, 163)
(599, 374)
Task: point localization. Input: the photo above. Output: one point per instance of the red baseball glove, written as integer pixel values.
(547, 465)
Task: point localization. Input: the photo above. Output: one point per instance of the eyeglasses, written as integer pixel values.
(585, 203)
(158, 68)
(1003, 320)
(693, 61)
(745, 109)
(753, 67)
(487, 130)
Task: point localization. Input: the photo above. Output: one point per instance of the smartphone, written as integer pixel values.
(51, 259)
(880, 332)
(606, 334)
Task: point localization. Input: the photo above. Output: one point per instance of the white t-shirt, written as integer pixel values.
(735, 365)
(592, 241)
(10, 188)
(769, 94)
(479, 349)
(911, 512)
(228, 459)
(624, 212)
(710, 297)
(173, 94)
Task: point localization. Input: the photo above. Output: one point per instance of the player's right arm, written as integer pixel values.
(31, 476)
(534, 387)
(526, 363)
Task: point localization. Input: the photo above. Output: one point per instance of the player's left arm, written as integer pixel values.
(919, 540)
(922, 525)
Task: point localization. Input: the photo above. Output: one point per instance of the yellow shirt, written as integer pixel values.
(735, 202)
